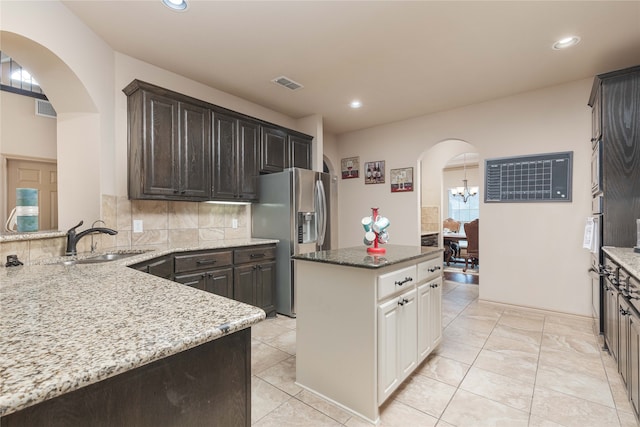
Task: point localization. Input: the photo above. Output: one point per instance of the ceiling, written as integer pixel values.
(400, 59)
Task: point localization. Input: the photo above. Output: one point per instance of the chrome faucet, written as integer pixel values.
(72, 237)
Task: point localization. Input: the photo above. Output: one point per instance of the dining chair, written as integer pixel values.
(451, 224)
(472, 254)
(452, 249)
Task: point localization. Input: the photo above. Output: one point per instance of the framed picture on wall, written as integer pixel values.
(350, 167)
(374, 172)
(401, 180)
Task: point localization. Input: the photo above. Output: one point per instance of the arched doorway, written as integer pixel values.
(440, 171)
(78, 130)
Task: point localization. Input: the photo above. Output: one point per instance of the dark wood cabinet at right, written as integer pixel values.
(615, 100)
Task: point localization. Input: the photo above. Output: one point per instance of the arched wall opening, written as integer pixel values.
(78, 130)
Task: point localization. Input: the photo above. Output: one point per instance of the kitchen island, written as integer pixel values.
(365, 322)
(103, 344)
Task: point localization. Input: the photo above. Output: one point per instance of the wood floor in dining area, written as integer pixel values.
(469, 279)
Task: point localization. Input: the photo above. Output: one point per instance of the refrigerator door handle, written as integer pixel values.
(321, 211)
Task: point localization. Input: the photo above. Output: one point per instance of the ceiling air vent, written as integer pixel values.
(45, 109)
(287, 82)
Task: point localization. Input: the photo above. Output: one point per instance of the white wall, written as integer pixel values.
(75, 70)
(22, 132)
(530, 252)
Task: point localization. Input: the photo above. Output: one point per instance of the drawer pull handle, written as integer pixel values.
(431, 270)
(402, 282)
(205, 261)
(256, 255)
(403, 301)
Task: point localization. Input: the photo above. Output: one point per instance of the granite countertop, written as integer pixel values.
(16, 236)
(63, 327)
(626, 257)
(358, 256)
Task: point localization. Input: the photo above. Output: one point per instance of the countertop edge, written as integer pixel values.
(344, 257)
(626, 257)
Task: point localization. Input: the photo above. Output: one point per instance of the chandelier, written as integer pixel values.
(465, 191)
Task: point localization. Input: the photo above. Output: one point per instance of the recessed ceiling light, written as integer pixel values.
(355, 104)
(566, 42)
(178, 5)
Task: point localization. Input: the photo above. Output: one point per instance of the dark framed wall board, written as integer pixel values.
(529, 179)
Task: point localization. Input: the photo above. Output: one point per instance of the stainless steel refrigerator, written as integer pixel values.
(294, 208)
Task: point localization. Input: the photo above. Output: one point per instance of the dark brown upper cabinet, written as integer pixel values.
(300, 151)
(182, 148)
(235, 158)
(169, 146)
(274, 156)
(281, 149)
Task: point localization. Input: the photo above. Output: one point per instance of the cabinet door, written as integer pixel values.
(273, 150)
(244, 284)
(435, 313)
(195, 280)
(195, 152)
(633, 383)
(220, 282)
(388, 379)
(424, 321)
(266, 287)
(611, 320)
(407, 334)
(224, 156)
(160, 145)
(300, 152)
(624, 312)
(248, 159)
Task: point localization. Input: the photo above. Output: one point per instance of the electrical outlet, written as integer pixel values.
(137, 226)
(234, 223)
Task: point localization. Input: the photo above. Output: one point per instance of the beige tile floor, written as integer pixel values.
(496, 366)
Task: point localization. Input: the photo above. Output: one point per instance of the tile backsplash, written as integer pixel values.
(430, 219)
(166, 222)
(163, 223)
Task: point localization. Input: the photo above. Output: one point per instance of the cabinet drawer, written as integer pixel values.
(396, 281)
(202, 260)
(259, 253)
(429, 269)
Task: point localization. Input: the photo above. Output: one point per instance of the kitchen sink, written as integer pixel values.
(111, 256)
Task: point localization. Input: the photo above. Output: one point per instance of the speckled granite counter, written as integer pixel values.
(65, 327)
(358, 256)
(626, 257)
(14, 237)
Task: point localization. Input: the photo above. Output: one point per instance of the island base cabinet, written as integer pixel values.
(357, 330)
(397, 346)
(207, 385)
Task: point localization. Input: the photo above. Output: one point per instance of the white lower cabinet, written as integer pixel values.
(429, 317)
(397, 347)
(435, 315)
